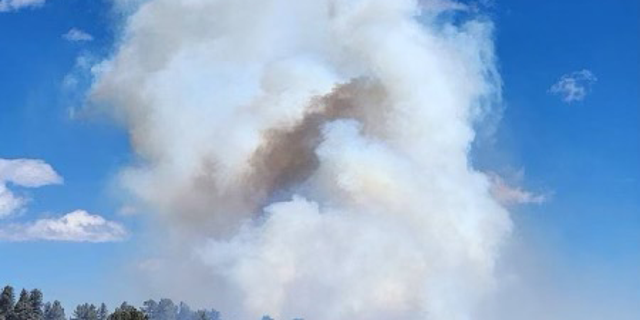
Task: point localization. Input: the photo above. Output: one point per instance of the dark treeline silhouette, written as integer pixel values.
(30, 306)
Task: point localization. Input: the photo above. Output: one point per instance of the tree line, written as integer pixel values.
(30, 306)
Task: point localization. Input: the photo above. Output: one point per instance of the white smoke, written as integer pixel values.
(310, 158)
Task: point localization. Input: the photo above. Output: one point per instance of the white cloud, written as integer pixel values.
(14, 5)
(77, 35)
(27, 173)
(509, 194)
(574, 86)
(9, 203)
(76, 226)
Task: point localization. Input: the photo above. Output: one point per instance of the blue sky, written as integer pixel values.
(582, 155)
(586, 152)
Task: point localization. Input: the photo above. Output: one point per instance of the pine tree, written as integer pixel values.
(127, 312)
(85, 312)
(213, 314)
(150, 309)
(54, 311)
(185, 312)
(201, 315)
(7, 300)
(206, 315)
(35, 299)
(166, 310)
(92, 314)
(103, 313)
(47, 311)
(22, 310)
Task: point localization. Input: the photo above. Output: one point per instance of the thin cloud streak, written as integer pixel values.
(15, 5)
(77, 35)
(508, 194)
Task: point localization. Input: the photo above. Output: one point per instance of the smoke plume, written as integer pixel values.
(310, 158)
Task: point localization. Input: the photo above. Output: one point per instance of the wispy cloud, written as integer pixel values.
(28, 173)
(77, 35)
(510, 194)
(14, 5)
(574, 86)
(128, 210)
(76, 226)
(443, 5)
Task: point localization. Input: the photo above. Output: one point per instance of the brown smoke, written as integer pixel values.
(285, 158)
(287, 155)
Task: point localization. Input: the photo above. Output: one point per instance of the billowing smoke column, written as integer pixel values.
(311, 158)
